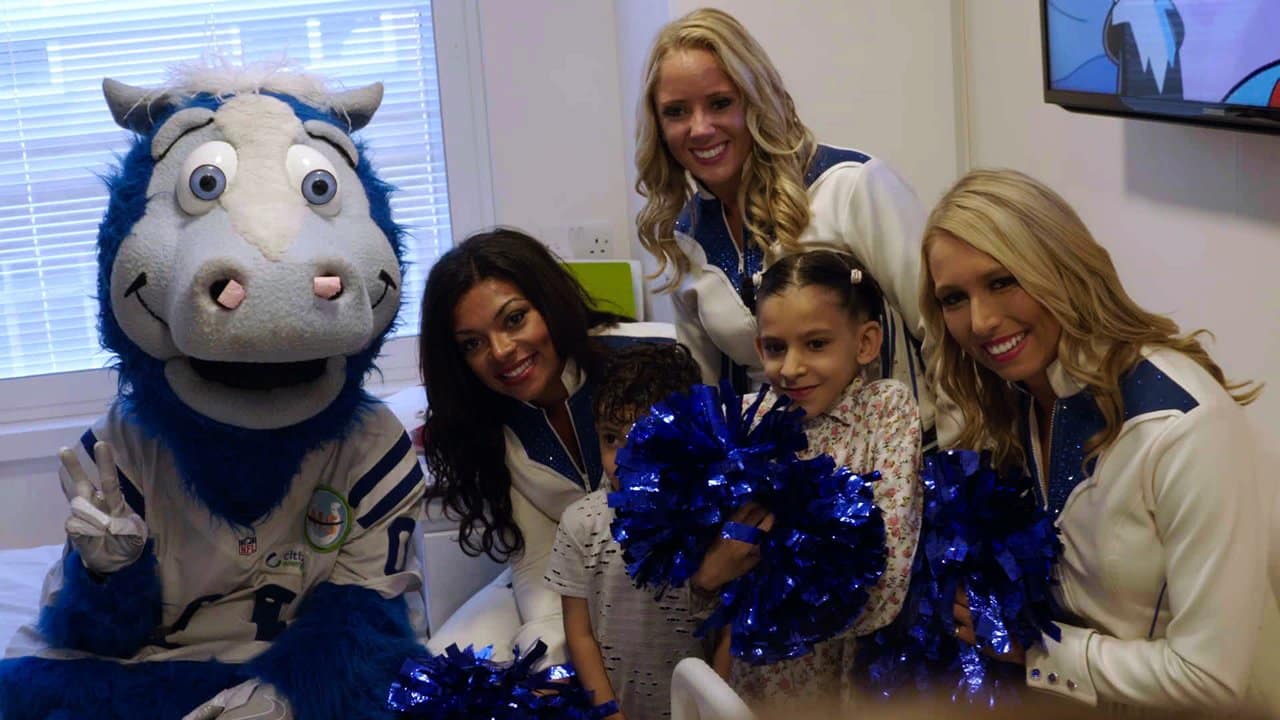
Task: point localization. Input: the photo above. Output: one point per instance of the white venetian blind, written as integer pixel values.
(57, 136)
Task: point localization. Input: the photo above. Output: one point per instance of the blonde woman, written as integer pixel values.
(733, 180)
(1137, 441)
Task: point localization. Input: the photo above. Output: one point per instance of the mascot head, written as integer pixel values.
(249, 271)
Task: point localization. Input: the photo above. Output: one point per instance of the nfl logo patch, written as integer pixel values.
(248, 545)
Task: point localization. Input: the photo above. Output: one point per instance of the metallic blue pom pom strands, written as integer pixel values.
(466, 684)
(687, 466)
(825, 552)
(987, 533)
(692, 462)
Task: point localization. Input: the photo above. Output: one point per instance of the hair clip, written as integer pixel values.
(756, 278)
(855, 276)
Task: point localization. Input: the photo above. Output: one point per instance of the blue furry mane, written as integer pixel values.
(209, 453)
(33, 688)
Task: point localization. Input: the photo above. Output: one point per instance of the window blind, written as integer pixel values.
(57, 138)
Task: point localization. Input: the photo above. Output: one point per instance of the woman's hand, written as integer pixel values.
(728, 559)
(965, 632)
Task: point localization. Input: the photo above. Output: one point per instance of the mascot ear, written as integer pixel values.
(358, 105)
(133, 108)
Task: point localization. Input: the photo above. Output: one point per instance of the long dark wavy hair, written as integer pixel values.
(465, 449)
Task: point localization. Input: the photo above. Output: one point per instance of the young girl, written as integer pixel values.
(817, 315)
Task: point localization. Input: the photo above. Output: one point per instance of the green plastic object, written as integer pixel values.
(611, 284)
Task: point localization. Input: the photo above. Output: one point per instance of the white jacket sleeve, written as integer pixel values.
(538, 604)
(691, 334)
(883, 225)
(885, 221)
(1203, 491)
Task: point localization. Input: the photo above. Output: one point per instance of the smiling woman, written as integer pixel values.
(510, 348)
(507, 344)
(1136, 440)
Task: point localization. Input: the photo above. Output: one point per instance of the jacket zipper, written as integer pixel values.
(582, 471)
(1042, 476)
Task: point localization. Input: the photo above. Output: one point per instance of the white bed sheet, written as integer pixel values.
(22, 573)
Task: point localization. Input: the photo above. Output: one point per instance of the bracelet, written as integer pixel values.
(734, 530)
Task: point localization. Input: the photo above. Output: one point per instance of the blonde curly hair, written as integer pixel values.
(772, 192)
(1037, 236)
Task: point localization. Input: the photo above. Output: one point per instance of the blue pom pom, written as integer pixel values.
(687, 466)
(825, 552)
(465, 684)
(987, 533)
(692, 462)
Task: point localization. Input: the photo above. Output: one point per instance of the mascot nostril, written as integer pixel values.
(327, 287)
(228, 294)
(259, 550)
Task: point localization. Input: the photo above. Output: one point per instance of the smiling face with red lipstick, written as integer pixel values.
(507, 344)
(989, 314)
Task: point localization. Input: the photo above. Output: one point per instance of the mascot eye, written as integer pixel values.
(208, 182)
(315, 177)
(206, 174)
(319, 187)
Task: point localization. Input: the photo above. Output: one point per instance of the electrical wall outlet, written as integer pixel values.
(592, 241)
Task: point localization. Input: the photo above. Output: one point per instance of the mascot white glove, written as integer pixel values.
(250, 700)
(102, 527)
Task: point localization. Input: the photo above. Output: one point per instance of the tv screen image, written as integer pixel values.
(1212, 62)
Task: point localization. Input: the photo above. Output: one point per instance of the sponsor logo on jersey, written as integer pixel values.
(248, 545)
(291, 559)
(328, 520)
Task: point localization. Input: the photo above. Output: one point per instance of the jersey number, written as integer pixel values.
(268, 603)
(399, 535)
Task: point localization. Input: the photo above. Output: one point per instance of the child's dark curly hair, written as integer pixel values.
(633, 378)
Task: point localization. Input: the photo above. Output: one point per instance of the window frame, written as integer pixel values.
(40, 413)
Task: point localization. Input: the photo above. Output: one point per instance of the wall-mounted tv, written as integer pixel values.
(1209, 62)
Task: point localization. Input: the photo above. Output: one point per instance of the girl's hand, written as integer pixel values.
(727, 559)
(965, 633)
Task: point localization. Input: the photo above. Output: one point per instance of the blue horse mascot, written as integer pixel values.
(240, 537)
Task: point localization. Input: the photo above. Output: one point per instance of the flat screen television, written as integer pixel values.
(1208, 62)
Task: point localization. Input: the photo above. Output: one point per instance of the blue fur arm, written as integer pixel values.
(113, 616)
(337, 660)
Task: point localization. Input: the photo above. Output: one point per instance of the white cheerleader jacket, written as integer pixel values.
(1163, 575)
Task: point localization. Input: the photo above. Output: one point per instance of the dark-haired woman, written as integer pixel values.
(510, 347)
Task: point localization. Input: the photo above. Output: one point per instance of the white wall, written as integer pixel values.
(551, 86)
(1191, 216)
